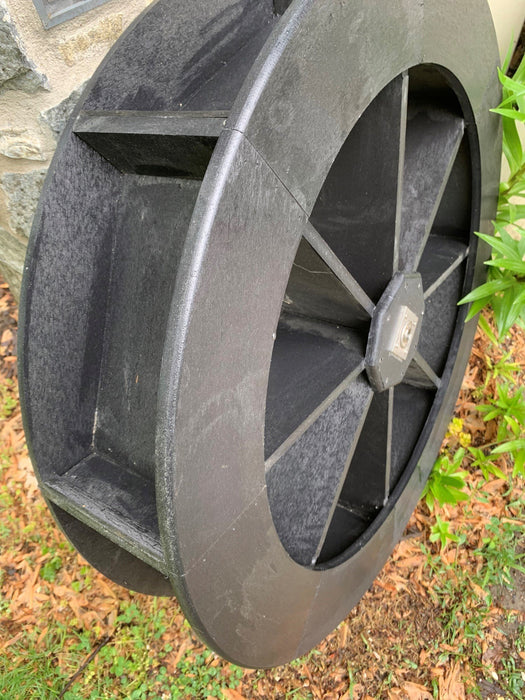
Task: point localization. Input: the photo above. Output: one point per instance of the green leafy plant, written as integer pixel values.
(440, 532)
(501, 552)
(512, 674)
(508, 409)
(483, 462)
(516, 448)
(51, 568)
(504, 290)
(504, 368)
(514, 677)
(197, 677)
(446, 483)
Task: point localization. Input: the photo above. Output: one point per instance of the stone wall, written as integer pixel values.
(41, 76)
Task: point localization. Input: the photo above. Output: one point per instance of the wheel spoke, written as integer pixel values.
(292, 438)
(314, 290)
(440, 319)
(367, 483)
(401, 171)
(421, 374)
(411, 408)
(432, 142)
(442, 255)
(310, 360)
(174, 144)
(303, 485)
(324, 251)
(356, 209)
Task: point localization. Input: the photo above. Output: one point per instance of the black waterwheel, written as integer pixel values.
(241, 342)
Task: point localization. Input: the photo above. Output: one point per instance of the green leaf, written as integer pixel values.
(517, 266)
(485, 327)
(508, 58)
(510, 446)
(512, 145)
(489, 415)
(513, 425)
(476, 307)
(430, 500)
(513, 97)
(441, 531)
(443, 495)
(511, 212)
(510, 114)
(513, 88)
(487, 290)
(516, 188)
(455, 482)
(520, 299)
(519, 464)
(506, 312)
(504, 290)
(499, 244)
(483, 462)
(501, 228)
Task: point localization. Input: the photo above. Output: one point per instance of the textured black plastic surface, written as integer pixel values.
(97, 490)
(176, 144)
(303, 483)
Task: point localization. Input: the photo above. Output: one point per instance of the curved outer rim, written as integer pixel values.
(229, 567)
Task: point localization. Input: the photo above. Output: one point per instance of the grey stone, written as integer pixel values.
(19, 143)
(57, 116)
(22, 191)
(16, 70)
(12, 251)
(13, 279)
(12, 256)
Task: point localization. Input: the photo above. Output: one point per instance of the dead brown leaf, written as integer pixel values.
(451, 687)
(231, 694)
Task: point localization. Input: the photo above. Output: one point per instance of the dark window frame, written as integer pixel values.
(52, 12)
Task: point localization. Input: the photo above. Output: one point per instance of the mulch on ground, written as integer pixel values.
(392, 645)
